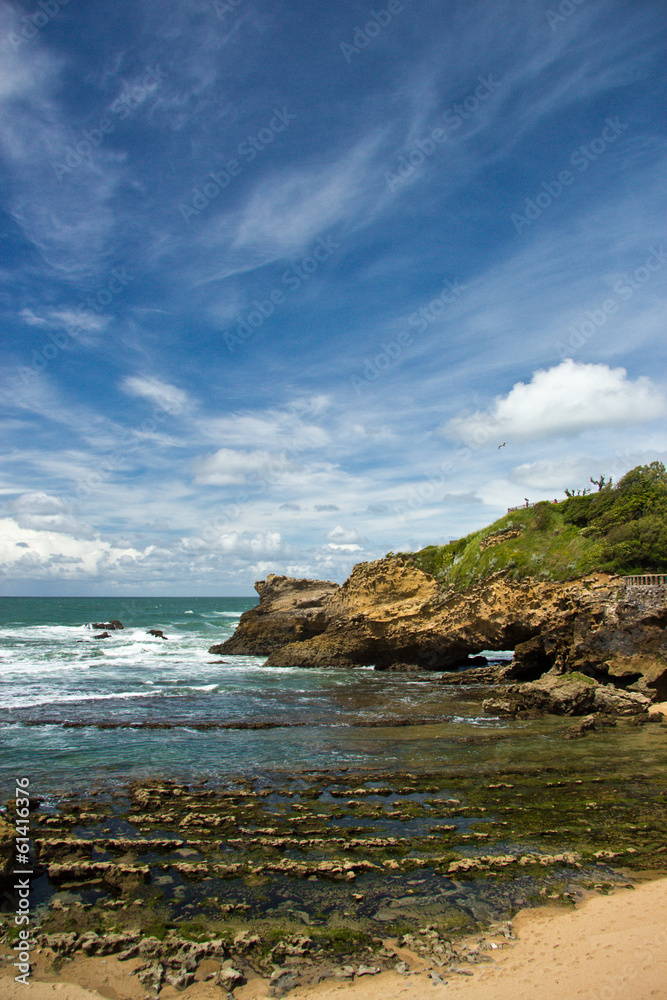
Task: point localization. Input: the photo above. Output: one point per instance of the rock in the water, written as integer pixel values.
(113, 625)
(157, 632)
(585, 725)
(567, 694)
(102, 635)
(478, 675)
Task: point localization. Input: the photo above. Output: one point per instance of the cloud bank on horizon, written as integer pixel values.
(277, 282)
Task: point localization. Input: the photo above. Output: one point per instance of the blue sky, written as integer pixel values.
(277, 280)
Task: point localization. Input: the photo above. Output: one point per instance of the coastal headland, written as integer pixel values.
(599, 631)
(575, 589)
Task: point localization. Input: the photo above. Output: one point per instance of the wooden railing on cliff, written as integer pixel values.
(522, 506)
(645, 580)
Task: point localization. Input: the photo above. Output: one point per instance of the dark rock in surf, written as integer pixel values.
(489, 676)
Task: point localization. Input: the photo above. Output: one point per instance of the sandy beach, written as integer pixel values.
(610, 948)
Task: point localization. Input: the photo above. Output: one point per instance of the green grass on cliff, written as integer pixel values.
(619, 529)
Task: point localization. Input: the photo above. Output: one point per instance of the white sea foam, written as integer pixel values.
(474, 720)
(57, 698)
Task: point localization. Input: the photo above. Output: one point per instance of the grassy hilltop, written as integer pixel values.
(621, 528)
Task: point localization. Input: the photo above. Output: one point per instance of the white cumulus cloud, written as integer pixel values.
(40, 553)
(563, 401)
(341, 534)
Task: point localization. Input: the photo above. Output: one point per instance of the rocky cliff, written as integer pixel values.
(289, 611)
(391, 614)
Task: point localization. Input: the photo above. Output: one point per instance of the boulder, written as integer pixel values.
(60, 944)
(504, 707)
(587, 724)
(567, 694)
(180, 979)
(113, 625)
(152, 977)
(229, 978)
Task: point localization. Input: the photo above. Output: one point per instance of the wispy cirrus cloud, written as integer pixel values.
(162, 394)
(69, 225)
(229, 467)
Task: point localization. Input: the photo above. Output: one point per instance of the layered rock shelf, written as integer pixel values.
(286, 883)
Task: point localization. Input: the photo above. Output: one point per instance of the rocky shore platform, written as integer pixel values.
(260, 887)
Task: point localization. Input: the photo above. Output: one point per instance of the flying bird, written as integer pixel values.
(502, 445)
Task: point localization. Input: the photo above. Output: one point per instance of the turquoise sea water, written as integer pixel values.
(60, 688)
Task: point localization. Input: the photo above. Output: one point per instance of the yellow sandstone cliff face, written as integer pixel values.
(389, 613)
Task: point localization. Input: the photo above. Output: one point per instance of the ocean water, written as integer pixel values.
(79, 712)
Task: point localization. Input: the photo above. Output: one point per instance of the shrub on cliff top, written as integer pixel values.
(641, 492)
(621, 529)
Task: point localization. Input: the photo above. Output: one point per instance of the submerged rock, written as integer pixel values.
(588, 724)
(478, 675)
